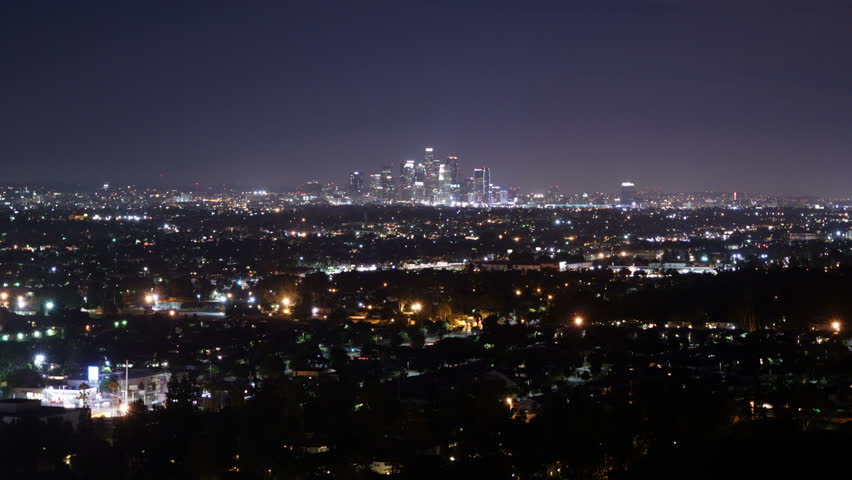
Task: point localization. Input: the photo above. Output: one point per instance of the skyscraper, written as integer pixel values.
(429, 155)
(628, 194)
(375, 187)
(387, 183)
(482, 185)
(430, 175)
(453, 181)
(356, 184)
(407, 173)
(452, 163)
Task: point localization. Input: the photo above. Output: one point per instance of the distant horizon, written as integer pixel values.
(676, 95)
(245, 188)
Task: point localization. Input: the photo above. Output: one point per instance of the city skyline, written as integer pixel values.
(677, 96)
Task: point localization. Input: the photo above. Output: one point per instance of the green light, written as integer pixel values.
(50, 332)
(124, 322)
(20, 336)
(115, 324)
(5, 338)
(37, 334)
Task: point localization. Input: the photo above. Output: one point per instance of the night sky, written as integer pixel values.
(677, 95)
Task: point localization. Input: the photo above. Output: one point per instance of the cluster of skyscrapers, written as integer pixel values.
(430, 181)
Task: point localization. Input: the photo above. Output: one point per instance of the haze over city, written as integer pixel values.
(676, 95)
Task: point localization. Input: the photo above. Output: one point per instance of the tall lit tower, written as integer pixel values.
(482, 185)
(407, 172)
(356, 183)
(628, 193)
(387, 182)
(452, 164)
(428, 156)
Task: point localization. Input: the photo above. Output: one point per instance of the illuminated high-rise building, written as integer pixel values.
(428, 155)
(356, 183)
(432, 169)
(482, 185)
(375, 188)
(407, 174)
(628, 194)
(387, 182)
(452, 163)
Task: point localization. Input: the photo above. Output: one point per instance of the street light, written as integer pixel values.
(578, 321)
(39, 360)
(416, 307)
(285, 301)
(49, 306)
(835, 325)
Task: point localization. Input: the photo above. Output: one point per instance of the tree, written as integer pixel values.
(113, 384)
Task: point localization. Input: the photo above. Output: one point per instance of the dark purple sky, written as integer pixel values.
(674, 94)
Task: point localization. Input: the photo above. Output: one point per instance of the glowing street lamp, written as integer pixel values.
(4, 296)
(49, 306)
(416, 307)
(39, 360)
(835, 325)
(578, 321)
(285, 301)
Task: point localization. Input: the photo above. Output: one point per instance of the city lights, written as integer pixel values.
(339, 240)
